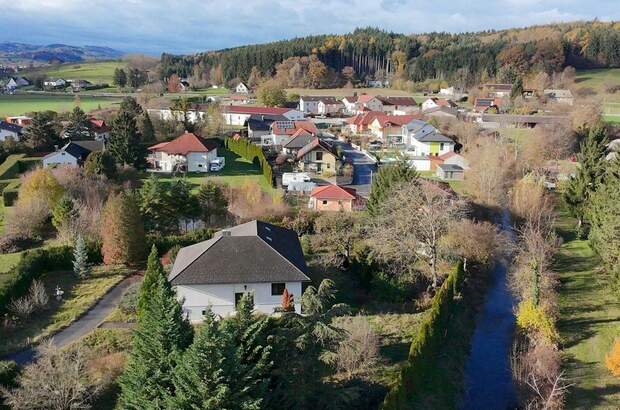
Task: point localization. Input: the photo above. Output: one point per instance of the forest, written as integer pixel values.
(371, 53)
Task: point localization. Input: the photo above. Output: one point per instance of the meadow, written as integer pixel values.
(598, 80)
(96, 72)
(18, 104)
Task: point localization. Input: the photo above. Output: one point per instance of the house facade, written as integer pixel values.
(398, 105)
(388, 128)
(10, 131)
(238, 115)
(241, 88)
(422, 139)
(73, 153)
(187, 152)
(332, 198)
(254, 258)
(317, 157)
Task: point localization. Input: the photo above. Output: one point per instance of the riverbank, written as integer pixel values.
(589, 321)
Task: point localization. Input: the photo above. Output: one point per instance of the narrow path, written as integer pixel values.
(488, 378)
(84, 325)
(589, 323)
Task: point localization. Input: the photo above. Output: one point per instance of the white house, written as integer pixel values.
(238, 114)
(8, 130)
(187, 152)
(362, 103)
(432, 103)
(241, 88)
(196, 113)
(254, 258)
(319, 105)
(559, 96)
(74, 153)
(55, 83)
(422, 139)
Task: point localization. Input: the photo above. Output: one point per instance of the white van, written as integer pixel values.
(291, 177)
(217, 164)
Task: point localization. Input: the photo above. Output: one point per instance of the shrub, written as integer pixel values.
(36, 299)
(22, 307)
(8, 373)
(359, 350)
(612, 360)
(12, 243)
(129, 302)
(166, 243)
(531, 318)
(30, 220)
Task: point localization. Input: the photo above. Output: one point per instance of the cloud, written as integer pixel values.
(194, 25)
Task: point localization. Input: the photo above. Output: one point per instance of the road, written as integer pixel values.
(363, 165)
(84, 325)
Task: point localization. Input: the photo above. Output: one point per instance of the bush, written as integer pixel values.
(531, 318)
(8, 373)
(359, 351)
(612, 360)
(9, 196)
(129, 302)
(165, 243)
(12, 243)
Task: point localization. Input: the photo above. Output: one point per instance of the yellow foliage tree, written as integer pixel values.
(531, 318)
(612, 360)
(40, 185)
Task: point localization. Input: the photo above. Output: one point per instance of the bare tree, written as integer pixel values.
(358, 352)
(56, 380)
(336, 235)
(411, 224)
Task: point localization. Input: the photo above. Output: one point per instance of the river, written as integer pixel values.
(488, 378)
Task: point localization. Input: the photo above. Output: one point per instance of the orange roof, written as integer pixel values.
(364, 98)
(183, 145)
(365, 118)
(333, 192)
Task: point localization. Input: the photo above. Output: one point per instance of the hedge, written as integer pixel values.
(11, 192)
(246, 149)
(426, 344)
(36, 262)
(10, 170)
(165, 243)
(10, 167)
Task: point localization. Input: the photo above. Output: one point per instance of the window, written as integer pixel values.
(277, 289)
(319, 156)
(328, 165)
(239, 295)
(441, 146)
(324, 202)
(199, 165)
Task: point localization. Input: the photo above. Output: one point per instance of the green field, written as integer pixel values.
(589, 322)
(95, 72)
(598, 80)
(23, 103)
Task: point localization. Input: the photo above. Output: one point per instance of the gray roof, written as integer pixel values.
(434, 137)
(325, 99)
(11, 127)
(299, 141)
(450, 167)
(253, 252)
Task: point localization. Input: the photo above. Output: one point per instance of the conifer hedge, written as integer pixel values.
(426, 344)
(252, 152)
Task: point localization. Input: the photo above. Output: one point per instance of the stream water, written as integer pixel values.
(488, 379)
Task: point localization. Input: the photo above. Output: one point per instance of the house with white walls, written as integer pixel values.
(10, 131)
(254, 258)
(187, 152)
(239, 114)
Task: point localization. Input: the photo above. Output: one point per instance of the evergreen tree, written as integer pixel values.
(63, 212)
(41, 132)
(100, 163)
(122, 231)
(156, 206)
(183, 202)
(517, 88)
(130, 105)
(81, 267)
(589, 174)
(212, 201)
(124, 143)
(146, 128)
(79, 127)
(120, 77)
(386, 179)
(154, 270)
(160, 336)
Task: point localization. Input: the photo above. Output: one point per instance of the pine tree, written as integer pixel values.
(100, 163)
(124, 143)
(154, 270)
(130, 105)
(40, 133)
(147, 130)
(122, 231)
(386, 179)
(81, 267)
(79, 127)
(63, 212)
(200, 379)
(212, 200)
(120, 77)
(589, 175)
(156, 206)
(161, 335)
(184, 204)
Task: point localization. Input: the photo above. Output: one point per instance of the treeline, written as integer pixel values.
(371, 53)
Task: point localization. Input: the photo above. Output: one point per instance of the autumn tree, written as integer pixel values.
(254, 78)
(122, 231)
(40, 184)
(174, 84)
(491, 172)
(336, 234)
(317, 71)
(271, 94)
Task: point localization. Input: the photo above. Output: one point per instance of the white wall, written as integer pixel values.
(59, 158)
(4, 134)
(199, 161)
(308, 107)
(294, 115)
(420, 164)
(221, 298)
(429, 104)
(235, 119)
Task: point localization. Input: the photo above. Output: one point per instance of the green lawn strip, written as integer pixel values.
(589, 322)
(80, 295)
(96, 72)
(24, 103)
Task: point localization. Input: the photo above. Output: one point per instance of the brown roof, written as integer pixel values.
(184, 144)
(315, 143)
(291, 127)
(391, 120)
(398, 101)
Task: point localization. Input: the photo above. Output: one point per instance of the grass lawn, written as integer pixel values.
(97, 72)
(589, 322)
(236, 172)
(80, 294)
(23, 103)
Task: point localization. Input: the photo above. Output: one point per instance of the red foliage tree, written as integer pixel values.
(288, 301)
(122, 231)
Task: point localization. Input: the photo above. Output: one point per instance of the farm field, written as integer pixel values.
(589, 322)
(23, 103)
(95, 72)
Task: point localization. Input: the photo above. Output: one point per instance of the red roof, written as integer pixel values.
(407, 101)
(243, 109)
(364, 98)
(365, 118)
(183, 145)
(278, 127)
(333, 192)
(397, 120)
(98, 125)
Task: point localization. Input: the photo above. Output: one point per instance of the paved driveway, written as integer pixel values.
(84, 325)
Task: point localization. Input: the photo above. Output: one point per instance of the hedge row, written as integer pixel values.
(252, 152)
(10, 167)
(426, 344)
(36, 262)
(165, 243)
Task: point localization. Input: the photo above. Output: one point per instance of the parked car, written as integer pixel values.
(217, 164)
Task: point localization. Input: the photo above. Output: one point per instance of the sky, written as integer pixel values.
(155, 26)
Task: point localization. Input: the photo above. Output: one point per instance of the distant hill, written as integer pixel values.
(54, 53)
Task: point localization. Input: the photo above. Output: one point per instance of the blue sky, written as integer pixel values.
(153, 26)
